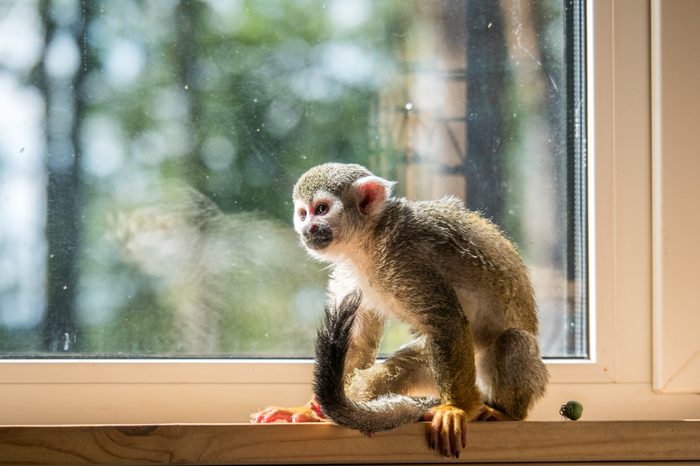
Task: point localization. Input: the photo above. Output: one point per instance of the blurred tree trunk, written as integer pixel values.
(65, 109)
(487, 76)
(195, 318)
(188, 16)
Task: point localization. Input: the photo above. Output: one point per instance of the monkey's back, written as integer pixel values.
(483, 266)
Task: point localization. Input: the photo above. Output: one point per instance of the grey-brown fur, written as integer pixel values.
(447, 272)
(317, 180)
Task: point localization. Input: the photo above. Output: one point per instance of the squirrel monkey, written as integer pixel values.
(449, 274)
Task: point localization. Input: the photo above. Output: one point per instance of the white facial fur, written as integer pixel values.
(308, 215)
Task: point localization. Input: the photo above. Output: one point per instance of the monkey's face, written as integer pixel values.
(334, 206)
(318, 221)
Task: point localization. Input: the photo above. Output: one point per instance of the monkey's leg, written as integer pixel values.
(512, 373)
(450, 347)
(405, 372)
(364, 345)
(452, 355)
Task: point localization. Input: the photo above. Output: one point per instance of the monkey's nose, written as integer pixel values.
(318, 236)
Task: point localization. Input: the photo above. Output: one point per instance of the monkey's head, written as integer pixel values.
(334, 204)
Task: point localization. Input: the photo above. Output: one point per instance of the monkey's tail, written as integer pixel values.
(383, 413)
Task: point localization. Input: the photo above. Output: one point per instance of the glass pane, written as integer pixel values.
(148, 150)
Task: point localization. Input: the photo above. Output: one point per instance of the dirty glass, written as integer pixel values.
(148, 150)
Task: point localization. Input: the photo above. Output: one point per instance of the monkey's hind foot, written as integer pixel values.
(311, 412)
(487, 413)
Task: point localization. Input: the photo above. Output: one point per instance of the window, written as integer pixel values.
(613, 382)
(147, 153)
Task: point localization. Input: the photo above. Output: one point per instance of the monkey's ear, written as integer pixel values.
(372, 193)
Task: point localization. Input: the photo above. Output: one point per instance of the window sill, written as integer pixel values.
(507, 442)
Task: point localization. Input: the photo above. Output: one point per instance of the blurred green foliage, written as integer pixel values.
(188, 123)
(234, 99)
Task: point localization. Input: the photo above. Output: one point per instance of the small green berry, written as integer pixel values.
(571, 410)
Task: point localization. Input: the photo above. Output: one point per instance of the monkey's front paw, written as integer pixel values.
(448, 429)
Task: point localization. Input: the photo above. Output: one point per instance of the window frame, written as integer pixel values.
(617, 375)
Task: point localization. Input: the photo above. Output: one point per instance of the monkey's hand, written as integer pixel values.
(310, 412)
(448, 429)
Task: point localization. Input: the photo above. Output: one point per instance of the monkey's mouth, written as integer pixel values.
(320, 239)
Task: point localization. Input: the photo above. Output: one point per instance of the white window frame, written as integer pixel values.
(613, 384)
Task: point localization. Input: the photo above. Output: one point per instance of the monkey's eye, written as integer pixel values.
(322, 208)
(302, 214)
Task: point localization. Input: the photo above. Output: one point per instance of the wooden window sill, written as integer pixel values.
(493, 442)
